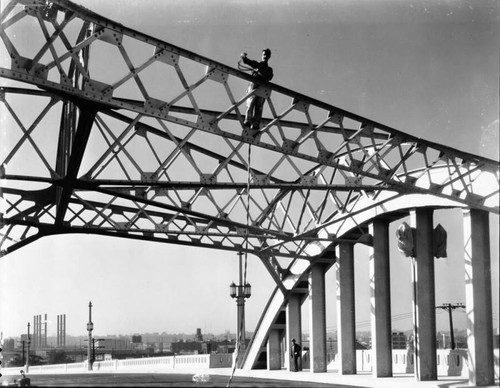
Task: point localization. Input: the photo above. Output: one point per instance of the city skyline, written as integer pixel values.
(163, 336)
(427, 69)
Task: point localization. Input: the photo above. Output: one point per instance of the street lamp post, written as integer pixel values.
(90, 327)
(240, 292)
(24, 354)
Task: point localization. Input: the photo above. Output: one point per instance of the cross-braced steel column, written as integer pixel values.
(478, 297)
(293, 323)
(426, 358)
(346, 319)
(317, 318)
(380, 289)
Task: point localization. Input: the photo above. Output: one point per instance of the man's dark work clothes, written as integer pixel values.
(295, 355)
(255, 104)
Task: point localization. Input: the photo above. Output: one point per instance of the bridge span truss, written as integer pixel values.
(130, 136)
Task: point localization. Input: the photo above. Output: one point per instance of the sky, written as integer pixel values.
(427, 68)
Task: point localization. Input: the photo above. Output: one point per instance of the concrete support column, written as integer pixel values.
(426, 357)
(293, 323)
(274, 350)
(380, 297)
(478, 298)
(317, 316)
(346, 318)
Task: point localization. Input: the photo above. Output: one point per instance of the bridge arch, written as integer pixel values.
(388, 208)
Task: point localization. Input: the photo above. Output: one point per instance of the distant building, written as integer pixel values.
(117, 344)
(399, 340)
(208, 347)
(9, 344)
(198, 337)
(8, 351)
(227, 346)
(186, 347)
(137, 339)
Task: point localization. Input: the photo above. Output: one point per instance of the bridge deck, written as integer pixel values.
(262, 378)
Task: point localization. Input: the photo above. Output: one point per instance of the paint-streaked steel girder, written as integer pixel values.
(106, 130)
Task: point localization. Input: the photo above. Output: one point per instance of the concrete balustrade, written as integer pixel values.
(449, 363)
(150, 365)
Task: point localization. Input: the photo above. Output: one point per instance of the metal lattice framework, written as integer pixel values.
(109, 131)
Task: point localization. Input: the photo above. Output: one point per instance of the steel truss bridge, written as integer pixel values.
(108, 131)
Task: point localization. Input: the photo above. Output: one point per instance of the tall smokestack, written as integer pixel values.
(33, 342)
(37, 328)
(39, 344)
(61, 330)
(44, 337)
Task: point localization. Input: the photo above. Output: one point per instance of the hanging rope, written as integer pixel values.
(247, 209)
(249, 180)
(237, 350)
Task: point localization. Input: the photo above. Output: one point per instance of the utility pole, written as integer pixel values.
(450, 307)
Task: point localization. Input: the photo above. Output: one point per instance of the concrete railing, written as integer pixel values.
(151, 365)
(450, 363)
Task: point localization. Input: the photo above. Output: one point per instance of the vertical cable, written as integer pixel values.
(247, 209)
(249, 178)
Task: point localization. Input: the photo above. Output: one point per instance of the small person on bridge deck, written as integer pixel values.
(295, 354)
(24, 381)
(255, 103)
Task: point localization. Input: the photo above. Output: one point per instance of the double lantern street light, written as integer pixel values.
(240, 292)
(91, 341)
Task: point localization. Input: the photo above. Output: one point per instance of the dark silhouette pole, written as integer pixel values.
(28, 352)
(450, 307)
(90, 327)
(240, 292)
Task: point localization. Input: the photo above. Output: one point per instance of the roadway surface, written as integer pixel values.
(155, 380)
(258, 378)
(220, 377)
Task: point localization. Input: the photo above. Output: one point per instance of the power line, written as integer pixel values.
(365, 323)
